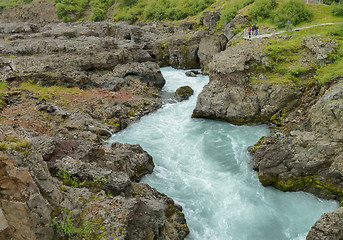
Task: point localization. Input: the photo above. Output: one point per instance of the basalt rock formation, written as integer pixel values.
(230, 97)
(65, 88)
(304, 149)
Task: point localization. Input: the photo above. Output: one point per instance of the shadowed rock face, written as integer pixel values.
(148, 72)
(310, 156)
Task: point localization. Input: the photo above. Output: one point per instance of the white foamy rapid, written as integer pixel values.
(204, 166)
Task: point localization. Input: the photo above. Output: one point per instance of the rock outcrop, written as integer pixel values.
(229, 95)
(65, 88)
(310, 153)
(179, 50)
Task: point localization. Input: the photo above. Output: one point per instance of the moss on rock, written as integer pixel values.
(184, 92)
(3, 146)
(302, 183)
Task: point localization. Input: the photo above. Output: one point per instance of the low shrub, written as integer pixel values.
(70, 228)
(231, 8)
(12, 3)
(261, 9)
(128, 15)
(127, 3)
(66, 8)
(97, 14)
(293, 10)
(337, 31)
(329, 2)
(337, 10)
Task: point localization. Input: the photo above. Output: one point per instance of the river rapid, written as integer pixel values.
(205, 167)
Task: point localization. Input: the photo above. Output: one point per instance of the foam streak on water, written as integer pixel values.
(204, 166)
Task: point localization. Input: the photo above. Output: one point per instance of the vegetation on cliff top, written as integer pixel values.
(270, 12)
(288, 62)
(12, 3)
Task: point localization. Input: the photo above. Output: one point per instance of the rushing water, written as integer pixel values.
(204, 166)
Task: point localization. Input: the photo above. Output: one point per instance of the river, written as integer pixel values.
(204, 166)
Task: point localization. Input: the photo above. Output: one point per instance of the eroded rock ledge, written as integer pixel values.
(64, 89)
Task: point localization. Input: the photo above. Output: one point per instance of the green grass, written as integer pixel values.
(322, 14)
(144, 10)
(285, 64)
(12, 3)
(3, 86)
(47, 92)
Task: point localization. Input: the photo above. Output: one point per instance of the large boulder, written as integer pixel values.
(209, 19)
(146, 72)
(210, 46)
(229, 95)
(184, 93)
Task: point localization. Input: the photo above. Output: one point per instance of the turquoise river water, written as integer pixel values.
(204, 166)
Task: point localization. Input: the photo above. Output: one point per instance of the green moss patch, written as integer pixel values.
(301, 183)
(17, 144)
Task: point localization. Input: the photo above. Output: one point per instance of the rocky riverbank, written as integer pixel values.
(66, 87)
(304, 150)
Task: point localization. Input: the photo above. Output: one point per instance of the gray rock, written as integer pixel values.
(314, 161)
(192, 73)
(228, 30)
(3, 221)
(147, 72)
(184, 93)
(179, 50)
(209, 19)
(319, 48)
(210, 46)
(328, 227)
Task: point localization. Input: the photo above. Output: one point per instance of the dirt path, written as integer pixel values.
(245, 36)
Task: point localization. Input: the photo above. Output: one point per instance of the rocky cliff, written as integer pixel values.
(304, 150)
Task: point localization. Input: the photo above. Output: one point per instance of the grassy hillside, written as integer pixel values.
(289, 59)
(12, 3)
(267, 12)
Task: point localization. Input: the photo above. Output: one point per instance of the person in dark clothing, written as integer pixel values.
(253, 29)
